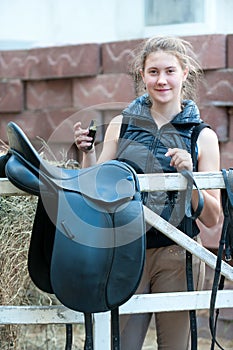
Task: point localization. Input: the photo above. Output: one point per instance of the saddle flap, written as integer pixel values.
(98, 257)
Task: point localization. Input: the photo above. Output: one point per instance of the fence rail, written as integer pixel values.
(138, 303)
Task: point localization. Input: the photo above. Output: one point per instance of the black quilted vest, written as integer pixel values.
(143, 146)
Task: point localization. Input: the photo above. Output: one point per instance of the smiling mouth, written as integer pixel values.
(162, 90)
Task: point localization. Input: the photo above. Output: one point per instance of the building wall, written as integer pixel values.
(63, 22)
(31, 23)
(45, 91)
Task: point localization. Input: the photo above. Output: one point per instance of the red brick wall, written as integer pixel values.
(46, 90)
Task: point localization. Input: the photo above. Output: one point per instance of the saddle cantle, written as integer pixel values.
(88, 239)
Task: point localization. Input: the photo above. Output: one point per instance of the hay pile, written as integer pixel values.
(16, 220)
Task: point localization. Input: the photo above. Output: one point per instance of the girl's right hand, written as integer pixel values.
(81, 139)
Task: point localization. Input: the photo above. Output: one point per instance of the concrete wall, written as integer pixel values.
(46, 90)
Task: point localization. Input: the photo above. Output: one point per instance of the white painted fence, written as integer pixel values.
(138, 303)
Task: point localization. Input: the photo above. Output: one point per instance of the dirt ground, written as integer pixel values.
(53, 338)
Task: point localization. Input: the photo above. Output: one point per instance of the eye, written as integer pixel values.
(153, 71)
(171, 70)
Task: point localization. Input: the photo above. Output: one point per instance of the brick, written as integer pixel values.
(116, 55)
(15, 64)
(226, 154)
(106, 88)
(11, 96)
(49, 93)
(51, 62)
(5, 118)
(230, 123)
(39, 127)
(230, 51)
(51, 131)
(52, 125)
(217, 87)
(217, 118)
(210, 50)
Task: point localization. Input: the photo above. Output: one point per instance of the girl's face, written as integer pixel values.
(163, 77)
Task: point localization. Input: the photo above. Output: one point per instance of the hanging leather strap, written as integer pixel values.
(69, 336)
(114, 326)
(188, 207)
(88, 331)
(192, 313)
(191, 216)
(215, 287)
(225, 241)
(115, 329)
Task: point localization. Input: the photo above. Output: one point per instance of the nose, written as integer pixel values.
(161, 79)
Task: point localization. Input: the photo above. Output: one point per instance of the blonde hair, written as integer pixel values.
(178, 47)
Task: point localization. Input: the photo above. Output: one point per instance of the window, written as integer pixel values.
(179, 17)
(168, 12)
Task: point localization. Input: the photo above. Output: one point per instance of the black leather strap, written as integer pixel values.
(88, 331)
(188, 208)
(215, 287)
(191, 216)
(225, 241)
(228, 208)
(190, 287)
(115, 329)
(228, 180)
(69, 336)
(214, 321)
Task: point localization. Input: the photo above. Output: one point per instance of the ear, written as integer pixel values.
(142, 74)
(185, 73)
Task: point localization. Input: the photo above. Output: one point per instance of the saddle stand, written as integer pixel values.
(88, 239)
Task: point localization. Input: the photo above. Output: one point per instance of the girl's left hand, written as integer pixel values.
(180, 159)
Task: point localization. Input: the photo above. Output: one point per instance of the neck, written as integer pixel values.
(163, 114)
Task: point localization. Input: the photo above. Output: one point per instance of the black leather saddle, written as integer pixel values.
(88, 240)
